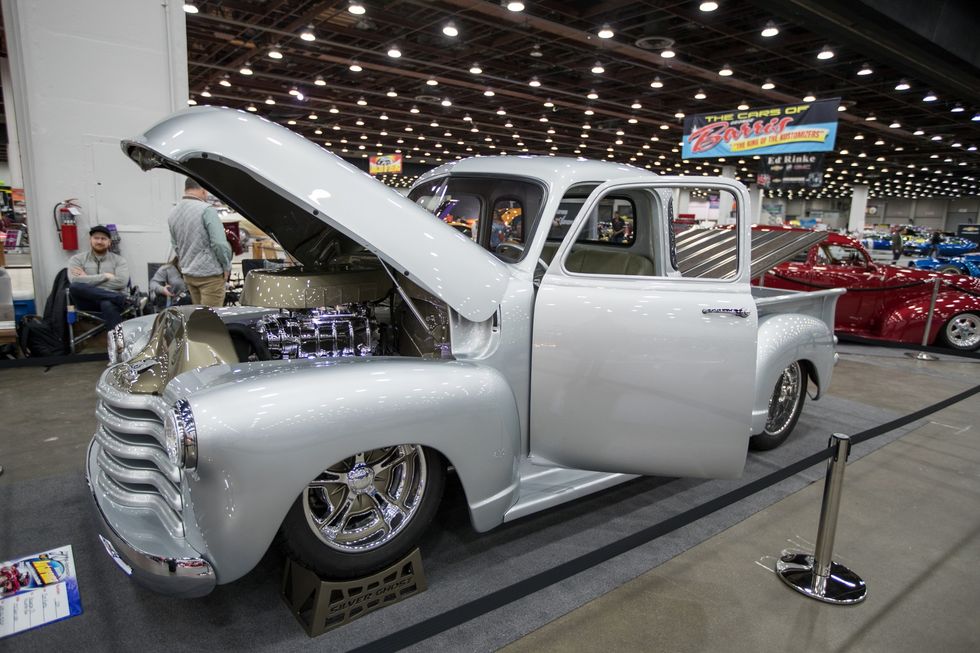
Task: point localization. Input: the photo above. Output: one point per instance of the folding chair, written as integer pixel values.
(99, 323)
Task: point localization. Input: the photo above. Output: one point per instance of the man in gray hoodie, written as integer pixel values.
(99, 277)
(199, 240)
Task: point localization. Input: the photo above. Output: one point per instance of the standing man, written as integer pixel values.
(199, 240)
(99, 277)
(896, 243)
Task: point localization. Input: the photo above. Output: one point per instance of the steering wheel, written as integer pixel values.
(519, 248)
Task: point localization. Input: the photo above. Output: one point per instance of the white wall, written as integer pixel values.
(5, 178)
(85, 75)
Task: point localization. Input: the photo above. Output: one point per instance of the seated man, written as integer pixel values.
(99, 277)
(167, 287)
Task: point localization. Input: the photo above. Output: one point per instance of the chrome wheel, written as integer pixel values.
(963, 331)
(365, 501)
(785, 397)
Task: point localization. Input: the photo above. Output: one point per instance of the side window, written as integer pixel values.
(843, 256)
(508, 222)
(606, 243)
(612, 222)
(702, 231)
(462, 212)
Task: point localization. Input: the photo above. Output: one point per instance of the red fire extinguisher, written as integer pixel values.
(64, 220)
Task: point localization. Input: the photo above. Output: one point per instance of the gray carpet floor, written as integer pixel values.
(460, 564)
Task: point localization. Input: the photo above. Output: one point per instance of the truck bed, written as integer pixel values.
(819, 304)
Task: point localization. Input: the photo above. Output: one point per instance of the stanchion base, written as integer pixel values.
(841, 587)
(922, 356)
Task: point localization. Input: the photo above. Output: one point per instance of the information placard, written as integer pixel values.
(37, 590)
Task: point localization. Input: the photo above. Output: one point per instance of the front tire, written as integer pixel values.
(785, 406)
(365, 512)
(962, 332)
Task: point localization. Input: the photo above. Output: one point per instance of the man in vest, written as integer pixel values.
(202, 249)
(99, 277)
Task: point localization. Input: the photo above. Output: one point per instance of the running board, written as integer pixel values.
(544, 487)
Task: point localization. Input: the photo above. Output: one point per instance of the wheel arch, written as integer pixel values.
(256, 458)
(784, 338)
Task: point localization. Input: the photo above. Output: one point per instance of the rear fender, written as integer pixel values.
(784, 338)
(905, 321)
(266, 429)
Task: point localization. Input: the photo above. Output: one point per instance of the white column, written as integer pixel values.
(13, 144)
(754, 213)
(84, 76)
(859, 206)
(728, 172)
(683, 201)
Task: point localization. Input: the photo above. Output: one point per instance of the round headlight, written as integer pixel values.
(180, 435)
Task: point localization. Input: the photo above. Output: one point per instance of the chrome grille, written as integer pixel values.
(134, 470)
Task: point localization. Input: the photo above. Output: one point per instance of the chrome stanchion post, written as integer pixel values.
(817, 575)
(925, 356)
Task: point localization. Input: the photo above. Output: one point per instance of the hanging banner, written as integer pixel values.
(805, 127)
(386, 164)
(791, 171)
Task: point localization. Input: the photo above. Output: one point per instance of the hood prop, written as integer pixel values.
(408, 300)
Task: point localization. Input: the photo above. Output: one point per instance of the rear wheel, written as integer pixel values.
(365, 512)
(785, 406)
(950, 269)
(962, 332)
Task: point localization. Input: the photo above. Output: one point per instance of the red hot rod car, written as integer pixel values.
(884, 301)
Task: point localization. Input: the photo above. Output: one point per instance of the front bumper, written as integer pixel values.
(176, 570)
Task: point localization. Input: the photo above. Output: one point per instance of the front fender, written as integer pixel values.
(784, 338)
(266, 429)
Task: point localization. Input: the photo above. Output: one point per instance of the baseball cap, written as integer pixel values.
(100, 228)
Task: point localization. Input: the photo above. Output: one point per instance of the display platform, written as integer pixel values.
(461, 565)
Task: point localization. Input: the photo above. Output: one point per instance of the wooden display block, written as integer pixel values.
(321, 605)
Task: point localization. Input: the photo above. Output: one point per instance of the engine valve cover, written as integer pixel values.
(346, 330)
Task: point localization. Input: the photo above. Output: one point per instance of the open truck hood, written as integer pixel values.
(316, 205)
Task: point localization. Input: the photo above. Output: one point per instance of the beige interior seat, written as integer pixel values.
(594, 261)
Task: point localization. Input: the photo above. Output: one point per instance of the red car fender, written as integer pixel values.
(905, 320)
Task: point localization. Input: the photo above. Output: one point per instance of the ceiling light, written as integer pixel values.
(841, 107)
(929, 97)
(589, 112)
(394, 52)
(918, 132)
(319, 81)
(246, 69)
(902, 86)
(825, 53)
(294, 91)
(656, 83)
(536, 51)
(865, 70)
(956, 109)
(636, 105)
(515, 6)
(207, 92)
(313, 116)
(354, 67)
(700, 95)
(679, 115)
(414, 109)
(476, 70)
(859, 137)
(632, 120)
(597, 68)
(534, 82)
(667, 53)
(809, 98)
(252, 108)
(543, 119)
(191, 101)
(976, 117)
(726, 71)
(895, 124)
(606, 32)
(225, 81)
(446, 102)
(392, 93)
(770, 30)
(592, 95)
(743, 107)
(269, 100)
(361, 101)
(708, 6)
(431, 82)
(450, 29)
(189, 8)
(356, 8)
(768, 85)
(489, 92)
(937, 137)
(275, 52)
(548, 103)
(333, 109)
(307, 34)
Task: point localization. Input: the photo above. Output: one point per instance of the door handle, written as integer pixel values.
(737, 312)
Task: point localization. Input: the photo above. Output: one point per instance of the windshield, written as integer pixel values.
(499, 214)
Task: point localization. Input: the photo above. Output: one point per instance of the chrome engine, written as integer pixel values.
(345, 330)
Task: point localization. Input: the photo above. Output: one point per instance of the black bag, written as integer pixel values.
(38, 339)
(48, 335)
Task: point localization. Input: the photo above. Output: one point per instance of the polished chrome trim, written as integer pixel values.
(122, 450)
(122, 473)
(150, 501)
(182, 577)
(121, 424)
(183, 421)
(737, 312)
